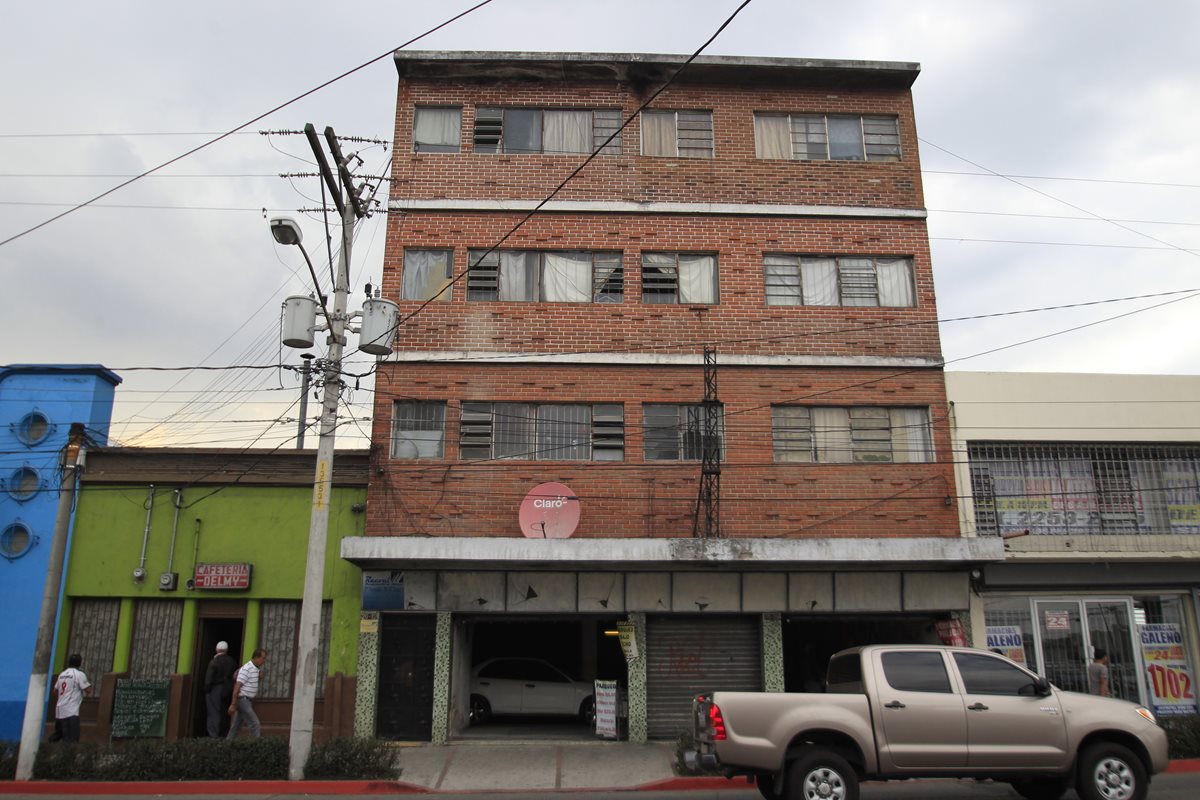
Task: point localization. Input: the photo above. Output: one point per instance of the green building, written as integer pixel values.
(174, 550)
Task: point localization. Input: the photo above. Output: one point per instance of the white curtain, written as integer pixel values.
(426, 272)
(697, 279)
(438, 127)
(567, 277)
(518, 275)
(895, 282)
(658, 133)
(831, 433)
(910, 435)
(820, 281)
(567, 132)
(772, 136)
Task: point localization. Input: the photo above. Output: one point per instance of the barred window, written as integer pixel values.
(547, 131)
(1052, 488)
(93, 634)
(827, 137)
(680, 278)
(677, 432)
(280, 636)
(527, 431)
(793, 280)
(680, 134)
(418, 428)
(858, 434)
(571, 276)
(155, 650)
(428, 275)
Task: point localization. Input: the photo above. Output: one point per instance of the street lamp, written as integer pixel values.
(299, 326)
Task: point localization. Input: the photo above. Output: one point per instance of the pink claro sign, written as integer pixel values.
(549, 511)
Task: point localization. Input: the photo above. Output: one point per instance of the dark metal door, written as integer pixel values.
(687, 654)
(406, 652)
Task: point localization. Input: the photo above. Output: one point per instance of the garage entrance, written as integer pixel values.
(809, 641)
(532, 678)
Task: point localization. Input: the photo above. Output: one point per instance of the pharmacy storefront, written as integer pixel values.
(1148, 631)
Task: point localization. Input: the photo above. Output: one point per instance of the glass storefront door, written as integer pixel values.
(1070, 630)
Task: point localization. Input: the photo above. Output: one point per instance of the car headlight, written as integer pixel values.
(1146, 713)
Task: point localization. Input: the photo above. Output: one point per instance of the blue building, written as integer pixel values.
(38, 404)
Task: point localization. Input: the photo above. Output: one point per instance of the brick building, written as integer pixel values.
(767, 210)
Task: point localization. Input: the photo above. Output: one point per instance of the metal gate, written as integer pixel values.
(406, 652)
(686, 655)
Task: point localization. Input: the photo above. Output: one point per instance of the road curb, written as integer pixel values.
(1184, 765)
(209, 787)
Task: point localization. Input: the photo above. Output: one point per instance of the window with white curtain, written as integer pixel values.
(436, 130)
(857, 434)
(418, 428)
(572, 276)
(675, 432)
(428, 275)
(827, 137)
(681, 278)
(547, 131)
(792, 280)
(679, 134)
(546, 432)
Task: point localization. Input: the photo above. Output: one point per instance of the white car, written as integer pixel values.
(517, 685)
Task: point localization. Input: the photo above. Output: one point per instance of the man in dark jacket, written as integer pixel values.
(218, 687)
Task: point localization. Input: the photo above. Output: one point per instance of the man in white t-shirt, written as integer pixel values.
(71, 685)
(245, 689)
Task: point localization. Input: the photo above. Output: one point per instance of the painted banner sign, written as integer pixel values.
(606, 709)
(222, 576)
(1168, 675)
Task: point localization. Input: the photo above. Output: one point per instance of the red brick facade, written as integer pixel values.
(820, 356)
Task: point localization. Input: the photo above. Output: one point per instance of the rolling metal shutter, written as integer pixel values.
(686, 655)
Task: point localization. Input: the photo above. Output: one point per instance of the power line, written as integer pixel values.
(227, 134)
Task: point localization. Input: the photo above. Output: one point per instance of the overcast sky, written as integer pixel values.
(1089, 109)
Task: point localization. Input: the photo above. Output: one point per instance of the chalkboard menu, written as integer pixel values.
(140, 709)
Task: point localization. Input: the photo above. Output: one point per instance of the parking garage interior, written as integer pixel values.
(809, 641)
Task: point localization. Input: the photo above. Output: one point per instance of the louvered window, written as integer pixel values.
(827, 137)
(545, 432)
(677, 432)
(547, 131)
(568, 276)
(793, 280)
(679, 278)
(679, 134)
(858, 434)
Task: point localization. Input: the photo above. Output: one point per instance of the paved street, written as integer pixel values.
(1165, 787)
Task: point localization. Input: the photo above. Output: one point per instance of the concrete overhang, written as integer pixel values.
(409, 552)
(644, 69)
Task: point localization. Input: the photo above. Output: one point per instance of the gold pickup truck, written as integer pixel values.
(907, 711)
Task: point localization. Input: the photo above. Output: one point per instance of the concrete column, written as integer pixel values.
(441, 678)
(637, 682)
(124, 636)
(253, 629)
(366, 693)
(772, 651)
(187, 636)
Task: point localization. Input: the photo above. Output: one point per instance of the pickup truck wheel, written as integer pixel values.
(1111, 772)
(820, 774)
(1042, 788)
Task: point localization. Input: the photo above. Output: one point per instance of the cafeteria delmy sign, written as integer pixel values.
(222, 576)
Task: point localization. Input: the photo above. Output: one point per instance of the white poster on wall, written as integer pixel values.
(606, 709)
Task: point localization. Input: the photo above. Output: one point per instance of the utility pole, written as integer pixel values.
(305, 375)
(35, 701)
(309, 640)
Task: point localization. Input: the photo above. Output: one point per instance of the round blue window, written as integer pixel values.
(23, 483)
(33, 428)
(16, 540)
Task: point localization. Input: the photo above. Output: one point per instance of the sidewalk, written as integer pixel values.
(502, 766)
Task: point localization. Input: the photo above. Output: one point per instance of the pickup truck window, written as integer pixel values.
(986, 675)
(844, 675)
(919, 671)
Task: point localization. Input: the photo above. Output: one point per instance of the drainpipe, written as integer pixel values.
(139, 574)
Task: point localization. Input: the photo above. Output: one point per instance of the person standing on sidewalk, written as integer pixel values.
(71, 685)
(245, 689)
(218, 687)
